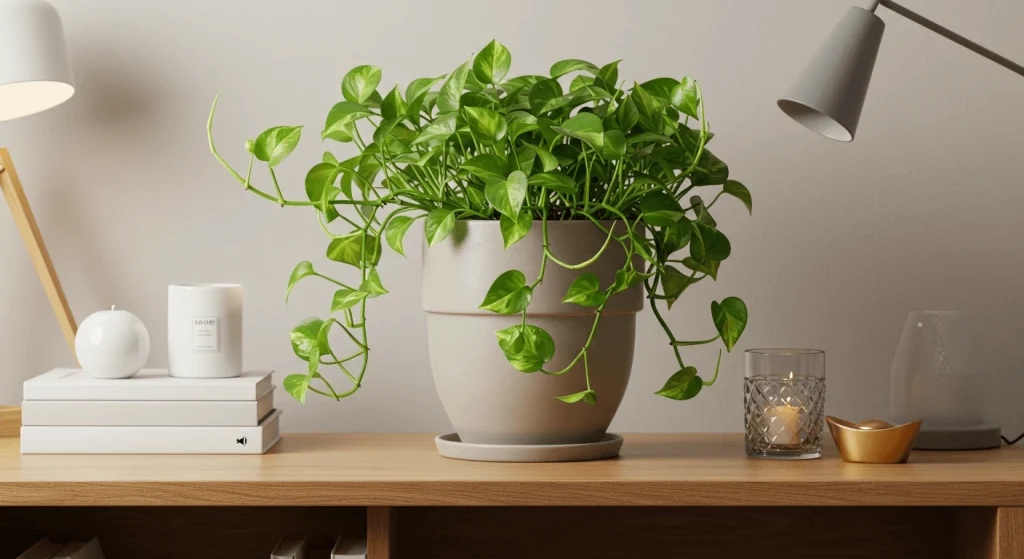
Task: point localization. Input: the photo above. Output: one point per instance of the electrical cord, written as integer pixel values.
(1014, 441)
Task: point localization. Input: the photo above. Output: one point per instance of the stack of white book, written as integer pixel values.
(65, 411)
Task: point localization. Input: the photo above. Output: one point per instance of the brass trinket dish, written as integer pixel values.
(873, 441)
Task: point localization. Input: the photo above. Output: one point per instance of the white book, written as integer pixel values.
(349, 548)
(81, 550)
(148, 384)
(151, 413)
(43, 549)
(152, 440)
(290, 548)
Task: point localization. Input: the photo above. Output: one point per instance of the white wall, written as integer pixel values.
(922, 211)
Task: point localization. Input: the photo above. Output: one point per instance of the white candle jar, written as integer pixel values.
(784, 403)
(204, 330)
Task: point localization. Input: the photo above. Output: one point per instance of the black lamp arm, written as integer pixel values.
(956, 38)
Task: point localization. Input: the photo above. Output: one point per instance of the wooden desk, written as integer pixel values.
(666, 496)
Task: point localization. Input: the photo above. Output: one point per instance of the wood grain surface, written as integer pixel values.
(405, 470)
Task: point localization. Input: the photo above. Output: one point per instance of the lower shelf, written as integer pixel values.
(535, 532)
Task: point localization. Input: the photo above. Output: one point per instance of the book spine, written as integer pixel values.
(146, 414)
(151, 440)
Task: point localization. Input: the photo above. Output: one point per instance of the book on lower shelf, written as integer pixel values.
(349, 548)
(49, 549)
(74, 439)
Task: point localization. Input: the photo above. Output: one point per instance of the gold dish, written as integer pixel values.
(873, 441)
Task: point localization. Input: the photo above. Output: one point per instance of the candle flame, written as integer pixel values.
(791, 375)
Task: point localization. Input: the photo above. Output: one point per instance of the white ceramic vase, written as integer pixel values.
(486, 399)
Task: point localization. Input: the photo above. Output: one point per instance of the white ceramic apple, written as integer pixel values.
(112, 344)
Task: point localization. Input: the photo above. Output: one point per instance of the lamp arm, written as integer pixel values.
(956, 38)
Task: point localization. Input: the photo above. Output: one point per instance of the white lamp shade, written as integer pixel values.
(34, 71)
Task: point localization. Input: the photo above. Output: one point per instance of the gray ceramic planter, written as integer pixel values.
(486, 399)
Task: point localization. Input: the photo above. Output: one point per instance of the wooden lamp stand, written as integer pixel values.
(10, 417)
(26, 223)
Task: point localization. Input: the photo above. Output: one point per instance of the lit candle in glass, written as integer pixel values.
(784, 401)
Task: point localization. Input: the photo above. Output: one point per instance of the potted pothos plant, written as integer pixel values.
(552, 207)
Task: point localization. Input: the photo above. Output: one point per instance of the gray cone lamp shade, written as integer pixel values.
(34, 71)
(828, 95)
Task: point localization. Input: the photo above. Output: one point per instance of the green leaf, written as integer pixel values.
(660, 88)
(520, 122)
(349, 249)
(393, 107)
(304, 337)
(685, 98)
(588, 396)
(614, 145)
(439, 225)
(709, 267)
(708, 243)
(395, 232)
(608, 76)
(659, 209)
(585, 291)
(526, 347)
(486, 166)
(372, 285)
(730, 317)
(542, 93)
(487, 126)
(628, 116)
(440, 130)
(319, 177)
(329, 158)
(451, 92)
(548, 161)
(674, 237)
(673, 283)
(624, 279)
(346, 299)
(525, 158)
(736, 188)
(359, 83)
(650, 110)
(683, 385)
(555, 180)
(509, 294)
(303, 269)
(507, 195)
(493, 62)
(584, 126)
(512, 230)
(339, 119)
(297, 386)
(418, 87)
(563, 67)
(711, 170)
(274, 144)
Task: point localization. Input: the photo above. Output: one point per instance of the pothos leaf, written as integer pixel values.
(509, 294)
(730, 317)
(526, 347)
(588, 396)
(585, 291)
(439, 225)
(360, 83)
(395, 232)
(304, 337)
(346, 299)
(683, 385)
(513, 230)
(303, 269)
(493, 62)
(276, 143)
(372, 285)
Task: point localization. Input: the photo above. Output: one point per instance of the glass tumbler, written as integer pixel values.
(784, 403)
